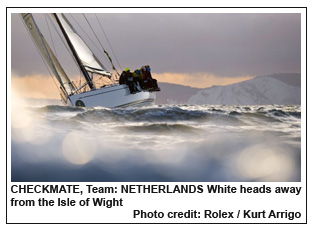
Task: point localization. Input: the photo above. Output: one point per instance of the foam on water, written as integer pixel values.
(158, 143)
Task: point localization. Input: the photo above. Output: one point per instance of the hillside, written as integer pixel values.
(174, 94)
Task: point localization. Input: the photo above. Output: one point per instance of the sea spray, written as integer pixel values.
(158, 143)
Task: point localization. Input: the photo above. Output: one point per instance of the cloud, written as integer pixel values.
(35, 86)
(225, 45)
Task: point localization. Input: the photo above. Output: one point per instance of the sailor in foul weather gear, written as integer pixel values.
(129, 81)
(149, 82)
(136, 79)
(140, 79)
(122, 78)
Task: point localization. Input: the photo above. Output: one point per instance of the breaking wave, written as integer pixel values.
(164, 113)
(158, 143)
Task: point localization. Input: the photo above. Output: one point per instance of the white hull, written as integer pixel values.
(111, 97)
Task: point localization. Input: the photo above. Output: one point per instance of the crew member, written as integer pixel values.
(143, 78)
(154, 81)
(122, 78)
(150, 82)
(137, 80)
(129, 81)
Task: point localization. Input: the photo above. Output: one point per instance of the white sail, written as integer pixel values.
(47, 53)
(88, 59)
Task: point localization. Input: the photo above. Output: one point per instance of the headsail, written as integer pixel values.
(47, 53)
(88, 59)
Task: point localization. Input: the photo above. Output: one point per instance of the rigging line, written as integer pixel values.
(108, 42)
(110, 60)
(32, 39)
(99, 50)
(45, 16)
(61, 38)
(96, 37)
(92, 30)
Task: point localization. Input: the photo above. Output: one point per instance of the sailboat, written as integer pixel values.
(87, 93)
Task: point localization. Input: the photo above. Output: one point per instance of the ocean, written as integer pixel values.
(161, 143)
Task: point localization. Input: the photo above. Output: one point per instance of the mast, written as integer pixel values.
(81, 66)
(47, 53)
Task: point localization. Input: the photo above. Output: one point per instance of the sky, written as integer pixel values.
(194, 49)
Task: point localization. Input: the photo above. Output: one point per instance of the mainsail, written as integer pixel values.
(47, 53)
(86, 56)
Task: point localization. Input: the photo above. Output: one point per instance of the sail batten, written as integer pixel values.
(47, 53)
(86, 56)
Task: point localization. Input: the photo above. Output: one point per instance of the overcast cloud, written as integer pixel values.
(229, 45)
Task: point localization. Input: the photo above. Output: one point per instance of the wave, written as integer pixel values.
(153, 114)
(173, 114)
(165, 142)
(163, 128)
(57, 109)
